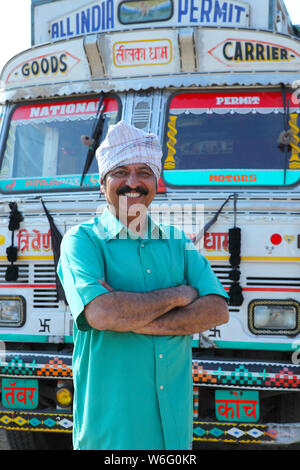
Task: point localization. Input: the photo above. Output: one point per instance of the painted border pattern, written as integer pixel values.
(251, 433)
(256, 375)
(240, 433)
(37, 365)
(36, 421)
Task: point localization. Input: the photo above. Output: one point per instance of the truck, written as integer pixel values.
(218, 82)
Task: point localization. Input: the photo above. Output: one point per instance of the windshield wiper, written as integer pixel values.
(95, 137)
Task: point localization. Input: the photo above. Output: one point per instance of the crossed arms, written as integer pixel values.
(172, 311)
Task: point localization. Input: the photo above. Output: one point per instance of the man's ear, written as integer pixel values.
(103, 185)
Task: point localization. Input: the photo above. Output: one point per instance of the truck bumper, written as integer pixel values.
(207, 375)
(277, 385)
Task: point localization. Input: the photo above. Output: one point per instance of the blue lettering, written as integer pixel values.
(62, 33)
(103, 15)
(77, 24)
(230, 13)
(85, 21)
(206, 11)
(209, 11)
(54, 31)
(110, 14)
(220, 12)
(238, 13)
(182, 11)
(193, 8)
(96, 16)
(69, 32)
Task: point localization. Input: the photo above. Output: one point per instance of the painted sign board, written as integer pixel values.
(156, 52)
(59, 20)
(59, 62)
(124, 54)
(128, 54)
(247, 51)
(237, 405)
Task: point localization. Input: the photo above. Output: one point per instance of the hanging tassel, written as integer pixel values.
(15, 218)
(235, 295)
(234, 274)
(12, 273)
(234, 247)
(12, 254)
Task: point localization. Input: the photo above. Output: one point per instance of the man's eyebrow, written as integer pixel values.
(122, 167)
(145, 167)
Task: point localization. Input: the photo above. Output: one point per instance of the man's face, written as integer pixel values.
(129, 189)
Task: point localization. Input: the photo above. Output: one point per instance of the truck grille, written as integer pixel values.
(273, 281)
(23, 273)
(222, 272)
(44, 297)
(44, 274)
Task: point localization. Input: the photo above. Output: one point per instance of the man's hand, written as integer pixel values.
(129, 311)
(188, 293)
(204, 313)
(172, 311)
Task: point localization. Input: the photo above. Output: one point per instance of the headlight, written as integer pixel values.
(12, 311)
(274, 317)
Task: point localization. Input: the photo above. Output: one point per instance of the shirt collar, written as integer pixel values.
(115, 229)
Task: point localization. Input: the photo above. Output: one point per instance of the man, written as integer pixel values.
(137, 291)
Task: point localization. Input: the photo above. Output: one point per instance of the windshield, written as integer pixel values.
(44, 150)
(225, 138)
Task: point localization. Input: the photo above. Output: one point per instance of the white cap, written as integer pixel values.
(124, 145)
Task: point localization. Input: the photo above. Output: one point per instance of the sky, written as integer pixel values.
(15, 25)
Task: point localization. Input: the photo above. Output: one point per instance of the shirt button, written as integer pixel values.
(161, 387)
(148, 271)
(161, 356)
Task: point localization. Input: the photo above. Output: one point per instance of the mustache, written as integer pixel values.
(127, 189)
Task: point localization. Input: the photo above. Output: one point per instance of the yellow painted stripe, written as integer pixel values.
(212, 258)
(256, 258)
(4, 258)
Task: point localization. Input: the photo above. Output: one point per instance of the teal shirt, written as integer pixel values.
(132, 391)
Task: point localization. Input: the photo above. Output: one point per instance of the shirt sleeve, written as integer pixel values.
(199, 273)
(80, 270)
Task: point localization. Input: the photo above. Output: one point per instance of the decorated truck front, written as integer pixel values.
(246, 379)
(217, 82)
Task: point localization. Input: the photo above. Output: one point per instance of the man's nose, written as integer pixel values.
(132, 179)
